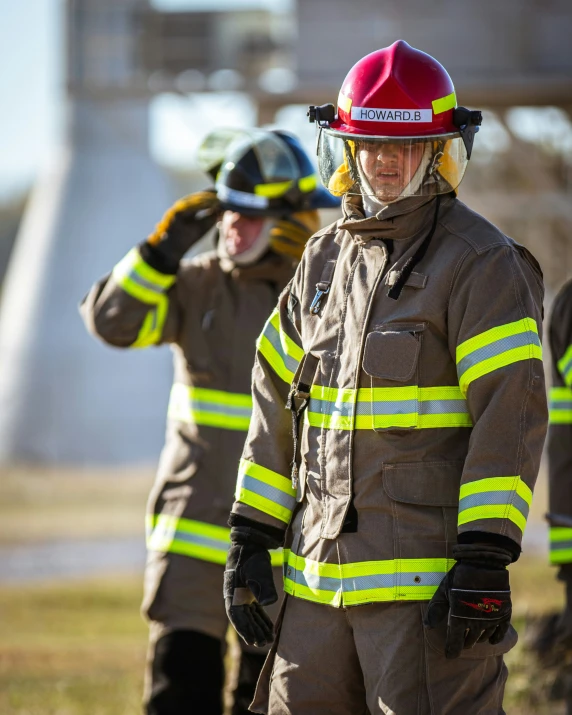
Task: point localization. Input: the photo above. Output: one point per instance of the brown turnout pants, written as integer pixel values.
(375, 659)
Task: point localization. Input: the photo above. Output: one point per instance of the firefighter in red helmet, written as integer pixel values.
(407, 353)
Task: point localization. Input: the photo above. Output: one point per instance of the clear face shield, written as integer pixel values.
(388, 169)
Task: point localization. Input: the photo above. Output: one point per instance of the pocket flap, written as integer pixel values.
(391, 354)
(426, 483)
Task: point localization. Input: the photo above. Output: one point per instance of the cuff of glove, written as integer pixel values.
(247, 531)
(488, 537)
(486, 605)
(482, 555)
(160, 257)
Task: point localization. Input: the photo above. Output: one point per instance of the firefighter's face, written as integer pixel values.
(240, 232)
(389, 167)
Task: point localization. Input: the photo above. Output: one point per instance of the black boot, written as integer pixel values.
(248, 672)
(187, 675)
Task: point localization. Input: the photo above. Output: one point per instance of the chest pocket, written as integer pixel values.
(391, 357)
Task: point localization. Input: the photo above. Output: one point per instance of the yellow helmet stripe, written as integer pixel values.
(445, 103)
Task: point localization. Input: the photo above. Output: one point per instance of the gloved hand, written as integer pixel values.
(184, 224)
(288, 236)
(249, 585)
(474, 596)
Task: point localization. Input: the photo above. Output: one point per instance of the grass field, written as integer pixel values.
(78, 647)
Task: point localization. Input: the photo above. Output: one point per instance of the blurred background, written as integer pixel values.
(104, 103)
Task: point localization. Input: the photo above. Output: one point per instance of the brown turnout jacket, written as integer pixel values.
(426, 415)
(560, 431)
(211, 314)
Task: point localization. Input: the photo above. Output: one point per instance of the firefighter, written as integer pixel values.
(210, 310)
(398, 421)
(560, 453)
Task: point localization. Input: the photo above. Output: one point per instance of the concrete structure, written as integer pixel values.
(63, 396)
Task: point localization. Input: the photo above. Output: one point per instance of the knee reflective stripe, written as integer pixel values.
(496, 348)
(386, 407)
(144, 283)
(560, 406)
(363, 582)
(211, 408)
(495, 498)
(560, 545)
(265, 490)
(207, 542)
(281, 352)
(565, 366)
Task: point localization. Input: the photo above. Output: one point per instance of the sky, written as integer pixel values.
(32, 116)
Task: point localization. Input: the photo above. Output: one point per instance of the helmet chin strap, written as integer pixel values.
(252, 254)
(372, 205)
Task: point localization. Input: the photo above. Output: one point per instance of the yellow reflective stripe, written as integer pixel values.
(344, 103)
(141, 281)
(281, 352)
(565, 366)
(445, 103)
(493, 484)
(495, 498)
(211, 408)
(265, 490)
(308, 183)
(386, 407)
(560, 545)
(362, 582)
(494, 334)
(273, 191)
(196, 539)
(496, 348)
(152, 329)
(560, 406)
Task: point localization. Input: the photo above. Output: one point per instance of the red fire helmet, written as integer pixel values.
(401, 97)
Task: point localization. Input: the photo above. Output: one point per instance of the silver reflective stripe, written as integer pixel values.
(137, 278)
(442, 407)
(194, 539)
(267, 491)
(273, 337)
(496, 348)
(227, 410)
(500, 498)
(560, 545)
(362, 583)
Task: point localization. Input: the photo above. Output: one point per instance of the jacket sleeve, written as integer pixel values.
(264, 491)
(560, 429)
(495, 329)
(134, 306)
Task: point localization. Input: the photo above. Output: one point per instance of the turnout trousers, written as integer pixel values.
(374, 659)
(184, 605)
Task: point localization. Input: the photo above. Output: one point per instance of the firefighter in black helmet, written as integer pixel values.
(211, 310)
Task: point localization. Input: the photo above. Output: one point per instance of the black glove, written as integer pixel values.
(185, 223)
(249, 585)
(475, 596)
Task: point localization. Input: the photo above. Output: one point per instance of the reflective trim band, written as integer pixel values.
(280, 351)
(265, 490)
(565, 366)
(445, 103)
(560, 406)
(387, 407)
(496, 348)
(197, 539)
(139, 280)
(273, 191)
(560, 545)
(152, 329)
(363, 582)
(211, 408)
(308, 183)
(241, 198)
(495, 498)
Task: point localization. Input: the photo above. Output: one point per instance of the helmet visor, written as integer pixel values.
(391, 168)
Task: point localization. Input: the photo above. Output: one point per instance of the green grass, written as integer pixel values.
(72, 649)
(79, 648)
